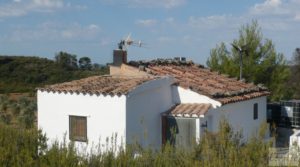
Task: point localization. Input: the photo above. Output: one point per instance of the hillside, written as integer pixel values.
(24, 74)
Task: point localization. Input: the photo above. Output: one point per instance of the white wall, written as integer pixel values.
(144, 106)
(182, 95)
(295, 141)
(240, 116)
(136, 117)
(105, 116)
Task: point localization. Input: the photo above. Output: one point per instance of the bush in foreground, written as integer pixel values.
(19, 147)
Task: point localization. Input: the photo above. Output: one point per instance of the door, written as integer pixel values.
(180, 132)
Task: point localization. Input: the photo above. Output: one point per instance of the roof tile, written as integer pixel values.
(189, 110)
(98, 85)
(204, 81)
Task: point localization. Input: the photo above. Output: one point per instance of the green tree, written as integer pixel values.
(85, 63)
(66, 60)
(261, 63)
(96, 66)
(297, 56)
(295, 77)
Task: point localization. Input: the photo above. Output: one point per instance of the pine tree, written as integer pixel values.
(261, 63)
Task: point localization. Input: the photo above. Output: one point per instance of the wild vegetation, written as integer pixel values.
(27, 147)
(21, 144)
(20, 112)
(294, 81)
(261, 63)
(24, 74)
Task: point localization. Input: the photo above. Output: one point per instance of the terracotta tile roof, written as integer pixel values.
(204, 81)
(189, 110)
(106, 85)
(247, 96)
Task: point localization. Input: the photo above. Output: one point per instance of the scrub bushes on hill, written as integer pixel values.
(25, 74)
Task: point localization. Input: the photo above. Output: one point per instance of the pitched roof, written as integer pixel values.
(98, 85)
(189, 110)
(204, 81)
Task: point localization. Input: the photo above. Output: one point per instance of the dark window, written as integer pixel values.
(255, 111)
(77, 128)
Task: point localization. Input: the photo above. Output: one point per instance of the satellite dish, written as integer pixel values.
(124, 43)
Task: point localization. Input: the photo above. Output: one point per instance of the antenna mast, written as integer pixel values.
(240, 50)
(124, 43)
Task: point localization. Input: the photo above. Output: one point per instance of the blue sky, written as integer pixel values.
(169, 28)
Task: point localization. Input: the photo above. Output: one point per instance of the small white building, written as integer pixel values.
(141, 102)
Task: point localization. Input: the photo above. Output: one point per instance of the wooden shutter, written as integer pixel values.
(78, 128)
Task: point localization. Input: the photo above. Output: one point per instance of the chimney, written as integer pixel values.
(120, 56)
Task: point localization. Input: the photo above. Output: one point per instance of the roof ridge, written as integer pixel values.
(161, 61)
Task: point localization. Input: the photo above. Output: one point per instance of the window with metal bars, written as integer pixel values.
(77, 128)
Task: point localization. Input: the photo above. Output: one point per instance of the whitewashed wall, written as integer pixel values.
(136, 117)
(105, 116)
(144, 107)
(182, 95)
(240, 116)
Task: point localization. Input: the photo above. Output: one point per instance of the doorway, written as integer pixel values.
(178, 131)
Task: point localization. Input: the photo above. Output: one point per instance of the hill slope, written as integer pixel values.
(24, 74)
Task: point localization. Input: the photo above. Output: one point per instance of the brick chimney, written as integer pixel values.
(119, 57)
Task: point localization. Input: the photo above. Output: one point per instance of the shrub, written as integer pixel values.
(19, 147)
(27, 147)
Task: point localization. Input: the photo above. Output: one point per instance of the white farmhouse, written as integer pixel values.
(141, 102)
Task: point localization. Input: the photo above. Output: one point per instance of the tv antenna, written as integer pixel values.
(241, 50)
(124, 43)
